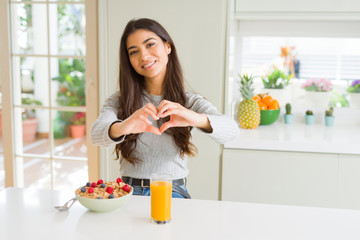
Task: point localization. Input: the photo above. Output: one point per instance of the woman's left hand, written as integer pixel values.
(181, 117)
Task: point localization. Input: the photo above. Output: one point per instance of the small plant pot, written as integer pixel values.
(288, 118)
(29, 129)
(329, 120)
(309, 119)
(77, 131)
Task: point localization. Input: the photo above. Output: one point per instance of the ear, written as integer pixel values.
(167, 47)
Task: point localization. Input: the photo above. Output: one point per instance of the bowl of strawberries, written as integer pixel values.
(104, 196)
(269, 108)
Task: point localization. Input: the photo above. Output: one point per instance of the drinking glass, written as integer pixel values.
(160, 192)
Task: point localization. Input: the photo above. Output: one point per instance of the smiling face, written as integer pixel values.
(148, 55)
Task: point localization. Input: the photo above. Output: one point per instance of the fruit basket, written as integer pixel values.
(269, 108)
(269, 116)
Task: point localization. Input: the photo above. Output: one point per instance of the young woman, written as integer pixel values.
(150, 119)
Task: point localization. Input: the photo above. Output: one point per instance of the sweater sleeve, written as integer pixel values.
(224, 127)
(108, 115)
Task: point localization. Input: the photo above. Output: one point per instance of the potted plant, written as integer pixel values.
(275, 83)
(29, 120)
(317, 92)
(354, 92)
(276, 80)
(71, 92)
(78, 125)
(288, 116)
(309, 117)
(329, 117)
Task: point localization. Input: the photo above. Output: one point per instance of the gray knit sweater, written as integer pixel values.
(159, 153)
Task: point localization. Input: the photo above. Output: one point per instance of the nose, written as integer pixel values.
(145, 55)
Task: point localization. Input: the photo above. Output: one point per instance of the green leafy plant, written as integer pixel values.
(338, 99)
(309, 112)
(29, 113)
(354, 87)
(71, 82)
(276, 80)
(71, 91)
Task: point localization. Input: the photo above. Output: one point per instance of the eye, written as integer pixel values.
(150, 45)
(132, 53)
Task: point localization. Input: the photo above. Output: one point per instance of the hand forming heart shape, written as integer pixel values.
(179, 116)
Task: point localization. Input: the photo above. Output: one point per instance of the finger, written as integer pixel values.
(153, 130)
(151, 107)
(148, 122)
(145, 119)
(168, 113)
(166, 126)
(163, 108)
(162, 103)
(148, 111)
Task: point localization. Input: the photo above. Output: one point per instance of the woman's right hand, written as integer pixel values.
(138, 122)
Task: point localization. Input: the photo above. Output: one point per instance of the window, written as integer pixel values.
(49, 74)
(322, 50)
(330, 58)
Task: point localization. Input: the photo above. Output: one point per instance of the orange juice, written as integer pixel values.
(161, 192)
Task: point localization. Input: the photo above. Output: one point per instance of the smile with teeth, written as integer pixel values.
(149, 64)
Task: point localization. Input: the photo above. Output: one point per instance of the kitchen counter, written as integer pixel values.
(342, 138)
(318, 138)
(29, 214)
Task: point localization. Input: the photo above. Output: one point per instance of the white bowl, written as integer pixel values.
(104, 205)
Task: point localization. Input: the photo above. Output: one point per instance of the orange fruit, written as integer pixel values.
(267, 99)
(274, 105)
(262, 105)
(256, 98)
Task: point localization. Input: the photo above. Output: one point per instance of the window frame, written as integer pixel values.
(91, 89)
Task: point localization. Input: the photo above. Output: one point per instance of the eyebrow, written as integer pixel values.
(142, 43)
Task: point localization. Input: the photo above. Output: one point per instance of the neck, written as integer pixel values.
(154, 86)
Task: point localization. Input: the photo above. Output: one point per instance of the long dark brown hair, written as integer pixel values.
(132, 86)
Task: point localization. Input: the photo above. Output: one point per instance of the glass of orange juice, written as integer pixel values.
(160, 192)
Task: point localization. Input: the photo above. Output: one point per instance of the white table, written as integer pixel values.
(29, 214)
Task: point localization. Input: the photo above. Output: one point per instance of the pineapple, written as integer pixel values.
(249, 112)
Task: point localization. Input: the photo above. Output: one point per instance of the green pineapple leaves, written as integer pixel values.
(246, 89)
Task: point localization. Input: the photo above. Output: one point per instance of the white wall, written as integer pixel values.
(198, 30)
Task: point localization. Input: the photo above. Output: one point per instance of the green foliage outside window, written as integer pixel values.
(71, 82)
(71, 78)
(71, 92)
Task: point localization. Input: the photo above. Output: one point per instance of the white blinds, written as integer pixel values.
(320, 57)
(326, 49)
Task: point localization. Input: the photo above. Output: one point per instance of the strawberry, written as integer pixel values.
(126, 188)
(90, 190)
(109, 190)
(119, 180)
(100, 181)
(93, 185)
